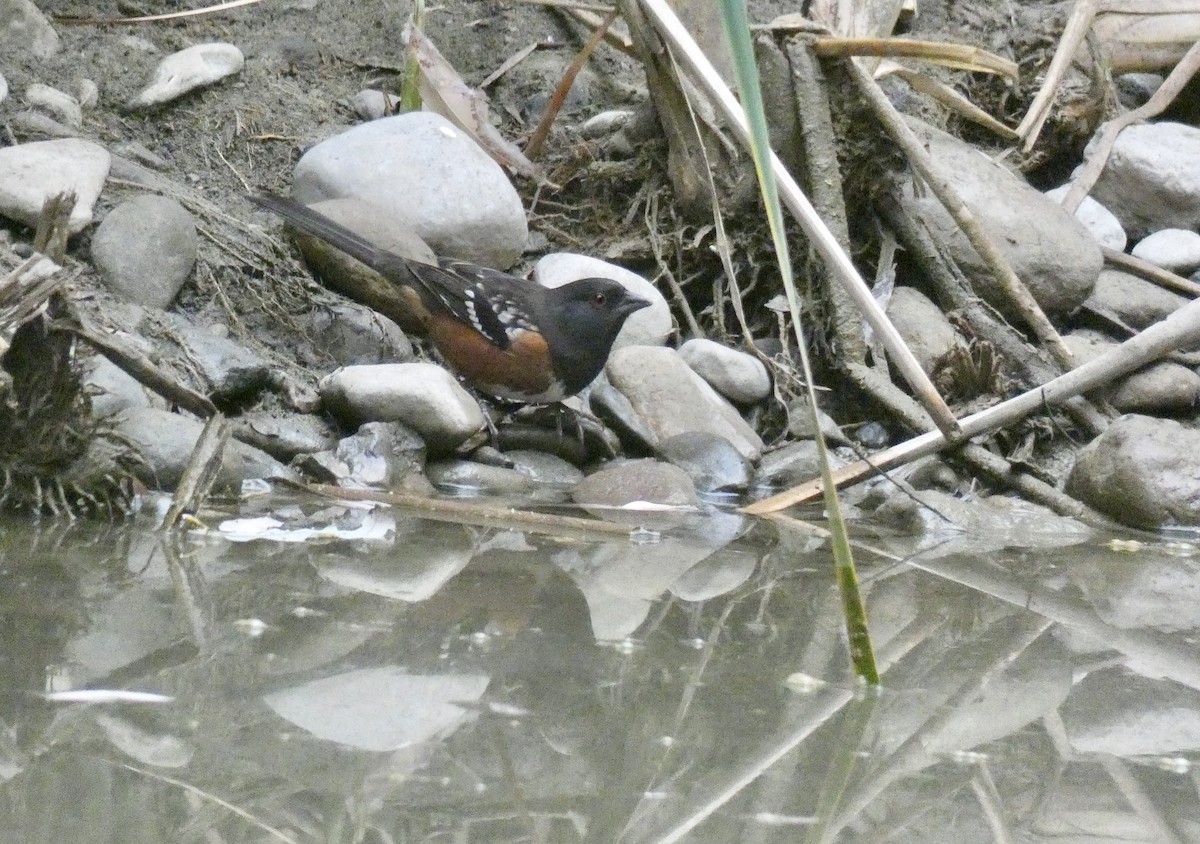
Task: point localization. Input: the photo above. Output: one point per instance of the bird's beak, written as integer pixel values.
(632, 304)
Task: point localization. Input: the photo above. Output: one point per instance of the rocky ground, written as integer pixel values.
(198, 302)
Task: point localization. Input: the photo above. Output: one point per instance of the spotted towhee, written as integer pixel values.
(509, 337)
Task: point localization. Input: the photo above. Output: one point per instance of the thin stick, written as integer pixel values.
(690, 56)
(1082, 185)
(997, 263)
(1073, 34)
(1150, 272)
(1182, 328)
(439, 509)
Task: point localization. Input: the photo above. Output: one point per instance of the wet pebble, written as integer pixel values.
(672, 399)
(1142, 471)
(738, 376)
(544, 468)
(633, 481)
(187, 70)
(32, 173)
(648, 327)
(872, 435)
(468, 476)
(383, 455)
(423, 396)
(711, 461)
(791, 464)
(423, 170)
(1177, 250)
(145, 249)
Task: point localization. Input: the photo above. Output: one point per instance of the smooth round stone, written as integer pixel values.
(1102, 223)
(1150, 180)
(426, 172)
(648, 327)
(187, 70)
(711, 461)
(544, 468)
(1136, 302)
(423, 396)
(353, 334)
(671, 399)
(61, 105)
(32, 173)
(1177, 250)
(738, 376)
(284, 435)
(145, 249)
(609, 492)
(1142, 471)
(468, 476)
(372, 104)
(923, 326)
(25, 32)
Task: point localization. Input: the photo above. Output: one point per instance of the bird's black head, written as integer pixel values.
(588, 315)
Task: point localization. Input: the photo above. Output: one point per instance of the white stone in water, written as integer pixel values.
(187, 70)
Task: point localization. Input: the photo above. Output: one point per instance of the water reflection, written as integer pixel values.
(443, 682)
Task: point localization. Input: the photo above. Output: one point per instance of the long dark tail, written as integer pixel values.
(318, 225)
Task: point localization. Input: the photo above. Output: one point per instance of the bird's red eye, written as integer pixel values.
(599, 299)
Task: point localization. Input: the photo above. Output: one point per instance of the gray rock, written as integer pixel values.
(738, 376)
(672, 399)
(544, 468)
(3, 88)
(1142, 471)
(609, 492)
(32, 173)
(1050, 251)
(1102, 223)
(468, 476)
(165, 441)
(1161, 387)
(422, 169)
(229, 371)
(1151, 180)
(187, 70)
(923, 326)
(284, 435)
(383, 455)
(1177, 250)
(113, 389)
(61, 105)
(88, 94)
(145, 249)
(353, 334)
(24, 31)
(791, 465)
(604, 123)
(372, 104)
(711, 461)
(1121, 712)
(648, 327)
(1136, 302)
(611, 406)
(423, 396)
(1135, 89)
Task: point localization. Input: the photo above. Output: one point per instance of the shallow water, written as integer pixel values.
(429, 682)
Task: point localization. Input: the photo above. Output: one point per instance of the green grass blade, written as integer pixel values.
(737, 30)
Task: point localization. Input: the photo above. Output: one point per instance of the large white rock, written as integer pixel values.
(1152, 178)
(32, 173)
(188, 70)
(426, 172)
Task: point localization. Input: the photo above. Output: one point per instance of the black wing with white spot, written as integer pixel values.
(478, 296)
